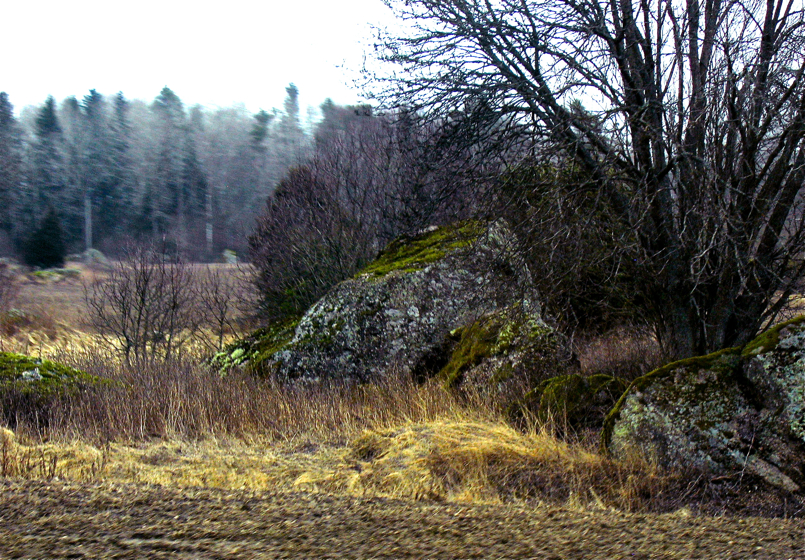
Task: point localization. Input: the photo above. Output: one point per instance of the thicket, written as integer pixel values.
(583, 259)
(152, 303)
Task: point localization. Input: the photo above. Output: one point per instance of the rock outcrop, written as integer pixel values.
(740, 410)
(453, 301)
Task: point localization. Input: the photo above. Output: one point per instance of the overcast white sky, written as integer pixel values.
(212, 53)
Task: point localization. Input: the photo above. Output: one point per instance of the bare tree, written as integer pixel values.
(218, 297)
(146, 306)
(688, 117)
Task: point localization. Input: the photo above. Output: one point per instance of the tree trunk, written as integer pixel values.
(87, 221)
(208, 228)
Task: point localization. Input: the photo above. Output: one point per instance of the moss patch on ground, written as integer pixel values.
(411, 254)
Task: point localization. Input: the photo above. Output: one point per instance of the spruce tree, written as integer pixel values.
(48, 174)
(10, 163)
(45, 248)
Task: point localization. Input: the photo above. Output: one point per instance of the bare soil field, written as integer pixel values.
(67, 520)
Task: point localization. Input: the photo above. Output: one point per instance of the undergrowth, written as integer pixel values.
(186, 425)
(182, 424)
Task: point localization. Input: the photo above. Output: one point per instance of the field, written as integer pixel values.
(179, 462)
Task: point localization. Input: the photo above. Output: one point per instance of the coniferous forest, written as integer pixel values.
(114, 169)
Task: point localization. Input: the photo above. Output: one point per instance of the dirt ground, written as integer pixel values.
(70, 520)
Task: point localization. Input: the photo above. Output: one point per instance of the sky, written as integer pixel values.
(210, 53)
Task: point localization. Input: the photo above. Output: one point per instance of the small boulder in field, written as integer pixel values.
(740, 410)
(29, 386)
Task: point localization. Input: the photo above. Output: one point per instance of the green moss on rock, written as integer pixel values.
(42, 376)
(768, 340)
(257, 349)
(576, 398)
(476, 342)
(29, 386)
(410, 254)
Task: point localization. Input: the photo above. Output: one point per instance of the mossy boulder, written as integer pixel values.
(506, 353)
(29, 386)
(399, 312)
(740, 410)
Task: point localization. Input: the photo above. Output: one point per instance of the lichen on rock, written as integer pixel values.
(506, 353)
(255, 352)
(737, 410)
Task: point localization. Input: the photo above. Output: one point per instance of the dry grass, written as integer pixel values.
(182, 425)
(186, 426)
(626, 352)
(453, 461)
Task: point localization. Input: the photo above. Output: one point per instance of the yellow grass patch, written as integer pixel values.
(479, 462)
(225, 464)
(465, 462)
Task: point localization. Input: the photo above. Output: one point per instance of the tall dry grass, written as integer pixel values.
(180, 423)
(394, 438)
(186, 400)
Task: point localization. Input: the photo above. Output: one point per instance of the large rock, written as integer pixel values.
(440, 303)
(740, 410)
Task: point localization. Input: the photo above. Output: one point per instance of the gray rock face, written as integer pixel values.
(398, 312)
(739, 410)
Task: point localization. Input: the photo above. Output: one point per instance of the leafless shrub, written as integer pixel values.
(146, 306)
(218, 296)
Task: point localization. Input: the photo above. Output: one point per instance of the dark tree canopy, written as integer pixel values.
(687, 117)
(45, 247)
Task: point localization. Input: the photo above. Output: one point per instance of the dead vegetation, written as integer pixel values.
(179, 424)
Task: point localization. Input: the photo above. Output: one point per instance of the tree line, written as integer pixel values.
(114, 169)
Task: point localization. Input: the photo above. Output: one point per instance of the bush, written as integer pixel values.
(304, 243)
(147, 306)
(45, 248)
